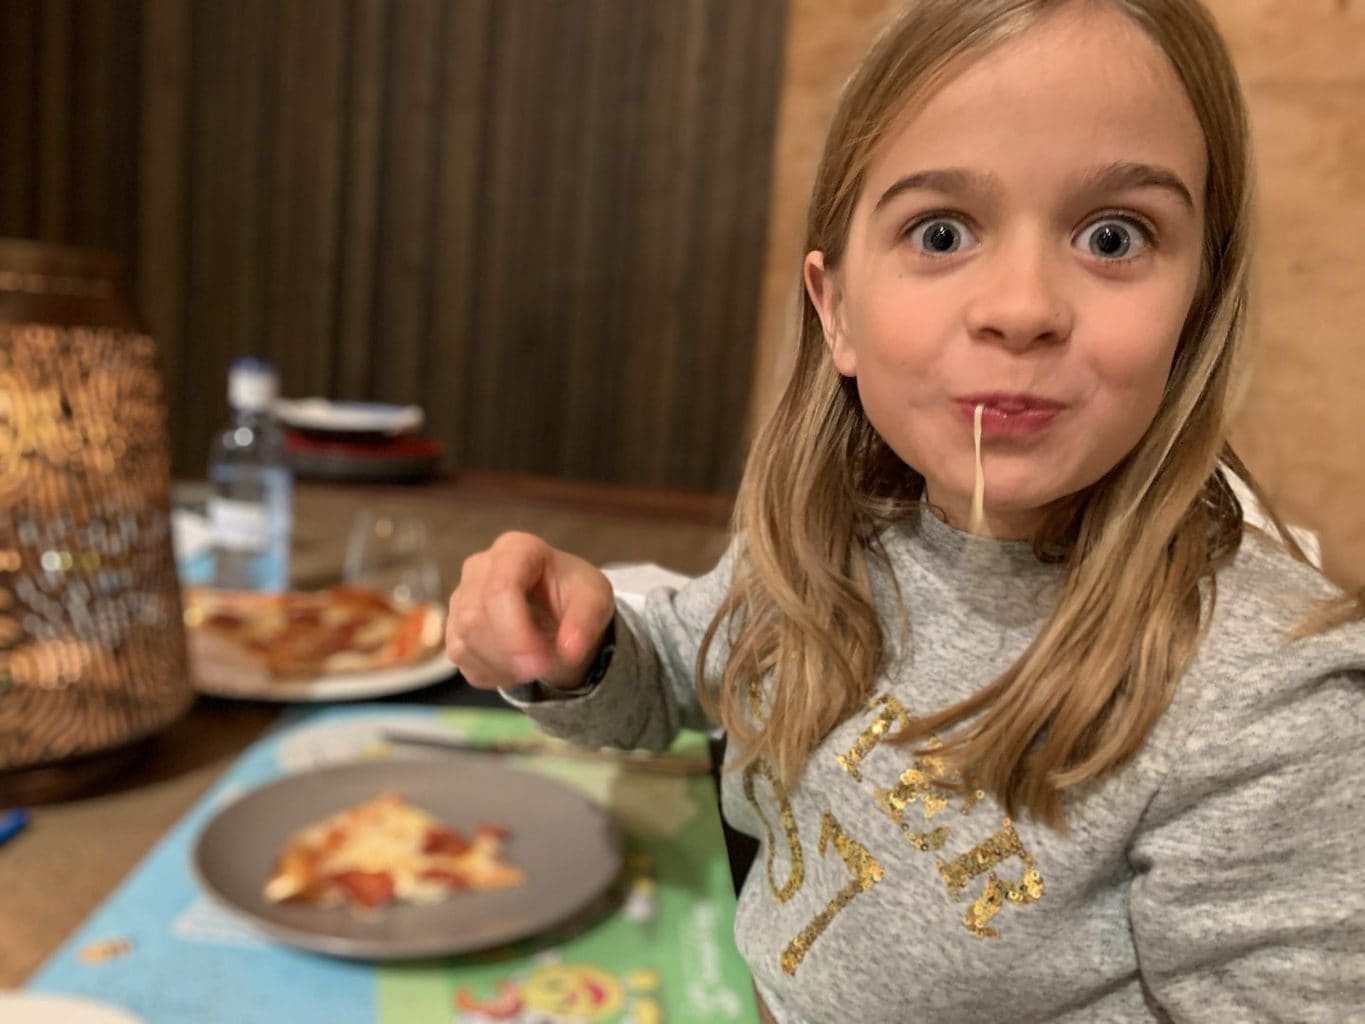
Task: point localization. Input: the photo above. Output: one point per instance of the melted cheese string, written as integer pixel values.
(978, 522)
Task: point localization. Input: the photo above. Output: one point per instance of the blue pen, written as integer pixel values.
(11, 823)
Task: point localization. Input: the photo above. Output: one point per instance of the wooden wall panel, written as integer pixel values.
(229, 144)
(367, 50)
(407, 186)
(463, 108)
(543, 220)
(303, 191)
(1303, 69)
(162, 256)
(1300, 430)
(19, 111)
(55, 72)
(68, 137)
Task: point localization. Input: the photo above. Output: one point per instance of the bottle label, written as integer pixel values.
(239, 525)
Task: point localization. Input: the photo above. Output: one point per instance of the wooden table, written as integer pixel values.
(76, 850)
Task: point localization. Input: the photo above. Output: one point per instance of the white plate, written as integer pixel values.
(345, 686)
(41, 1008)
(349, 417)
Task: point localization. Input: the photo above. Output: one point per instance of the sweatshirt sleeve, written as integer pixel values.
(1247, 903)
(649, 690)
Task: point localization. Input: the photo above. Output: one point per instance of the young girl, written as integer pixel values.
(1093, 753)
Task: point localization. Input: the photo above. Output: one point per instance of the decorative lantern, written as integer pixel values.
(92, 643)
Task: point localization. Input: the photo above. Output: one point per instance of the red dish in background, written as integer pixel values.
(403, 459)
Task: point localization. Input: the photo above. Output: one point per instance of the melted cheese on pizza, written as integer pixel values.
(385, 850)
(294, 635)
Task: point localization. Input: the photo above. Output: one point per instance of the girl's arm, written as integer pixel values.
(1248, 902)
(646, 688)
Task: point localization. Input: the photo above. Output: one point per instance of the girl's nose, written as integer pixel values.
(1019, 301)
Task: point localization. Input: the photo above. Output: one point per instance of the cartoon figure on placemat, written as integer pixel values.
(559, 993)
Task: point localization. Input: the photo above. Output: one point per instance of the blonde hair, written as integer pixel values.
(820, 484)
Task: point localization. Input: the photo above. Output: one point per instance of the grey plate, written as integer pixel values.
(568, 847)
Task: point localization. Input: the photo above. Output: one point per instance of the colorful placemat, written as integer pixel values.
(663, 953)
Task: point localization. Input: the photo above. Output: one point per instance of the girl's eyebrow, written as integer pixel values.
(947, 179)
(1123, 175)
(1115, 177)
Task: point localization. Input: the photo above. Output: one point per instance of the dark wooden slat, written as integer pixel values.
(458, 219)
(305, 195)
(725, 239)
(162, 187)
(545, 277)
(711, 240)
(655, 288)
(123, 73)
(92, 127)
(365, 72)
(620, 236)
(707, 79)
(584, 448)
(763, 61)
(223, 306)
(403, 272)
(54, 120)
(18, 125)
(503, 190)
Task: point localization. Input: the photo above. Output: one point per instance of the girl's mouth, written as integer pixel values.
(1009, 415)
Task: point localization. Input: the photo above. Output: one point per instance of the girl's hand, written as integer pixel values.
(525, 611)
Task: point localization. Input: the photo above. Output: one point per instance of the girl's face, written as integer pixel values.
(1027, 239)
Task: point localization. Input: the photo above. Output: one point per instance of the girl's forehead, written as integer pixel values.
(1082, 88)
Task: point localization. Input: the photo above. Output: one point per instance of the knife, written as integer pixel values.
(539, 748)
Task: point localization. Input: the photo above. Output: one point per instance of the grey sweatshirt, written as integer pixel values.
(1217, 877)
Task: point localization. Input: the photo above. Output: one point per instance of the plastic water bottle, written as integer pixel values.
(251, 499)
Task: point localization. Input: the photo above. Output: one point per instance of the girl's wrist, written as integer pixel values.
(596, 670)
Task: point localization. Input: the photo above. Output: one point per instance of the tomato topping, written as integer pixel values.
(444, 840)
(408, 640)
(366, 888)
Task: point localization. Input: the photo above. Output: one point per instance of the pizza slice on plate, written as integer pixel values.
(253, 637)
(383, 851)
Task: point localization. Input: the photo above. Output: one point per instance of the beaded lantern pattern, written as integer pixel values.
(92, 645)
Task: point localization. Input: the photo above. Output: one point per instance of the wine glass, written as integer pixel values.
(391, 553)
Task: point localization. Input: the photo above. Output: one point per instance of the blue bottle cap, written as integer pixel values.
(12, 823)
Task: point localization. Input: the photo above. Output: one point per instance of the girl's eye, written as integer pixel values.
(941, 236)
(1113, 239)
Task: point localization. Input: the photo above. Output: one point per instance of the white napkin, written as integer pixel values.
(632, 581)
(1254, 514)
(191, 534)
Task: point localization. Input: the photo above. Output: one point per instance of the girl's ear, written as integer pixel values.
(822, 285)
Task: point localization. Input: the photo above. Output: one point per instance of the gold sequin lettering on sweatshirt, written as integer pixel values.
(985, 857)
(930, 785)
(892, 713)
(915, 786)
(865, 872)
(781, 893)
